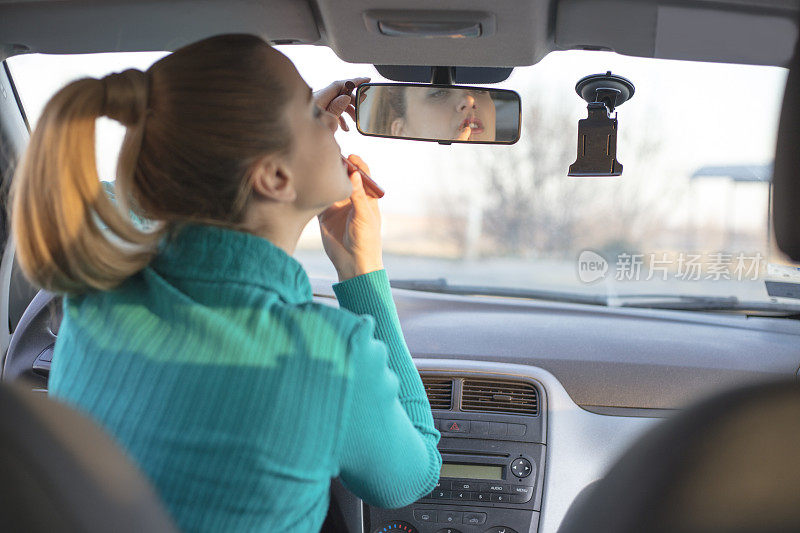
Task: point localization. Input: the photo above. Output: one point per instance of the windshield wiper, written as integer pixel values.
(678, 302)
(441, 285)
(674, 301)
(686, 302)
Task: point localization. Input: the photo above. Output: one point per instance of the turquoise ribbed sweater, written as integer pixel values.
(240, 397)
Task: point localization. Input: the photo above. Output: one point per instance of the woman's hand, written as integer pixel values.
(351, 230)
(333, 101)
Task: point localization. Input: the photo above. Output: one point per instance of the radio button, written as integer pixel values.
(498, 428)
(520, 498)
(482, 497)
(450, 517)
(462, 495)
(441, 494)
(425, 516)
(493, 487)
(455, 426)
(443, 485)
(464, 485)
(501, 498)
(522, 490)
(476, 427)
(474, 519)
(516, 430)
(521, 467)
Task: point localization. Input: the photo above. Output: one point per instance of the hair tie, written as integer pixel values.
(125, 96)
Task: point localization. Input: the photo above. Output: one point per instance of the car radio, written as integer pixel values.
(490, 482)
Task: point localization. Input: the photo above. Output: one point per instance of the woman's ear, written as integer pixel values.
(271, 180)
(397, 126)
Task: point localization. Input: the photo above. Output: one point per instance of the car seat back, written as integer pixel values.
(60, 472)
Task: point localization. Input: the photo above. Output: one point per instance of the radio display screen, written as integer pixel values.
(471, 471)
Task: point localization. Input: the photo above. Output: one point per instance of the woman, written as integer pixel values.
(195, 341)
(428, 112)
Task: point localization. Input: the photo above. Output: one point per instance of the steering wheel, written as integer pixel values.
(31, 349)
(31, 352)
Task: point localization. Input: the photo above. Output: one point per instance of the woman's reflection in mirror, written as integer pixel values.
(426, 112)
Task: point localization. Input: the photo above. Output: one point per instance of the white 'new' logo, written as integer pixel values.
(591, 266)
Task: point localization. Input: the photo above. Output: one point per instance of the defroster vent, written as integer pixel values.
(497, 396)
(440, 392)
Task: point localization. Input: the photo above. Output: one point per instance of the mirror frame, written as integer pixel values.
(446, 86)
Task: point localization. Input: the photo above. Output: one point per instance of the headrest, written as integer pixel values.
(786, 178)
(62, 472)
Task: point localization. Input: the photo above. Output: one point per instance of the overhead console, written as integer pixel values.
(508, 34)
(493, 453)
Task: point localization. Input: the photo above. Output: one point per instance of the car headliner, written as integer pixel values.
(522, 32)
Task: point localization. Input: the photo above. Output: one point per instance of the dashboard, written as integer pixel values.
(535, 400)
(506, 473)
(603, 377)
(493, 456)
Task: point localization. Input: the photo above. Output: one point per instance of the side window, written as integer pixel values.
(39, 76)
(16, 292)
(36, 78)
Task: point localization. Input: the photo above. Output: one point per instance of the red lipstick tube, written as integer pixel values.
(370, 187)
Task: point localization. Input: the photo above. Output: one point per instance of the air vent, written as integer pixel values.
(439, 391)
(513, 397)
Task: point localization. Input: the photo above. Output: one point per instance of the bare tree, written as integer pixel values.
(528, 206)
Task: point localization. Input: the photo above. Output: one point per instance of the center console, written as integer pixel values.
(493, 460)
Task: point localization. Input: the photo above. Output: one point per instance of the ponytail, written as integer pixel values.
(69, 236)
(197, 122)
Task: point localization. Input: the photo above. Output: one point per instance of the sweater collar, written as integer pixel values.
(211, 253)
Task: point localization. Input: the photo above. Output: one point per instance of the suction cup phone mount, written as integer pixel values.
(597, 134)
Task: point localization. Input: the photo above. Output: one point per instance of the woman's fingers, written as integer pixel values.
(357, 161)
(359, 196)
(359, 81)
(323, 97)
(361, 200)
(339, 105)
(351, 111)
(464, 135)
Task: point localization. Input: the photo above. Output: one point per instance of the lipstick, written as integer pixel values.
(370, 187)
(347, 88)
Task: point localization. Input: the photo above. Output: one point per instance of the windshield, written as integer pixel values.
(688, 216)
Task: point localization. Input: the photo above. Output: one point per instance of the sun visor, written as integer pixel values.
(463, 75)
(131, 25)
(696, 31)
(786, 179)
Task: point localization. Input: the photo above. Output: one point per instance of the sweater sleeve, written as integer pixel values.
(387, 453)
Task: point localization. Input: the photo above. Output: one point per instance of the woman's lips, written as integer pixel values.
(474, 123)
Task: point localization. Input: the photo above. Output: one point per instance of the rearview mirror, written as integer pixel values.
(443, 113)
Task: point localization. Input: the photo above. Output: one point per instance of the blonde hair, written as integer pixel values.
(197, 122)
(387, 105)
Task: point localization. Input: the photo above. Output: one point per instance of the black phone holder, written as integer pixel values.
(597, 134)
